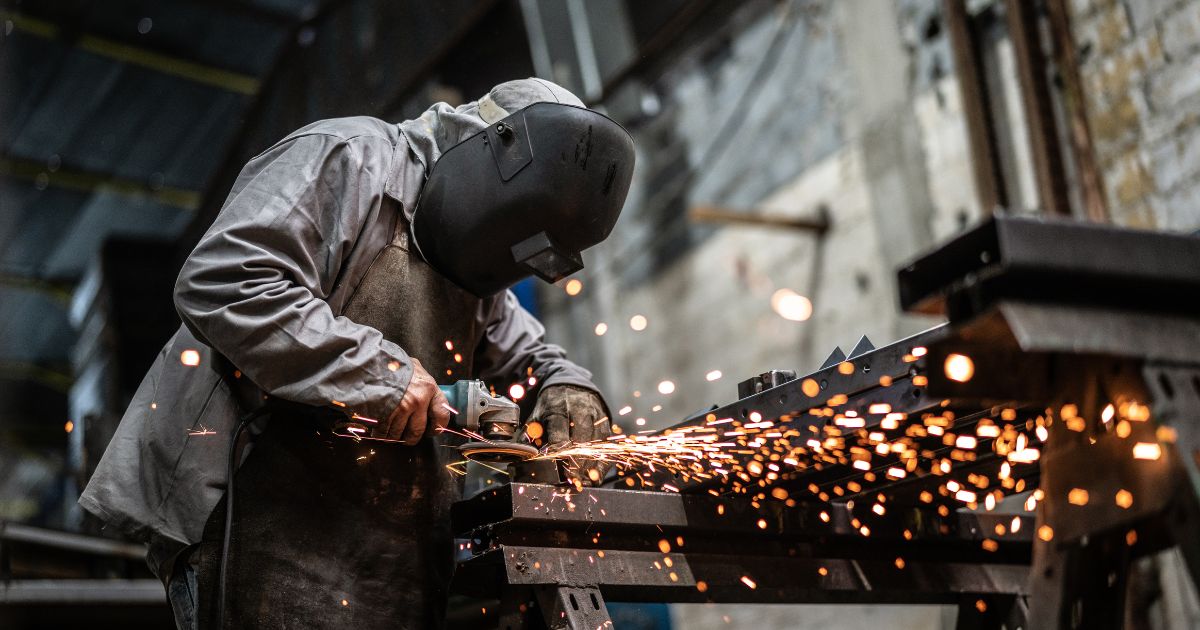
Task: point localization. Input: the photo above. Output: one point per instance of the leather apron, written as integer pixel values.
(330, 532)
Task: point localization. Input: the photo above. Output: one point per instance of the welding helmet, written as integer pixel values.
(524, 196)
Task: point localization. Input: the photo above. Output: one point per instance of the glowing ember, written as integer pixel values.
(190, 358)
(748, 582)
(791, 305)
(70, 426)
(638, 323)
(959, 367)
(1147, 450)
(573, 286)
(664, 546)
(1046, 533)
(1107, 415)
(1077, 496)
(1124, 499)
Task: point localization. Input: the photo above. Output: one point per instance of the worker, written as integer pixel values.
(356, 265)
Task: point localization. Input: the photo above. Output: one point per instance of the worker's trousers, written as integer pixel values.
(182, 592)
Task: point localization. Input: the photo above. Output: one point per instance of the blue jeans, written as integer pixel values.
(181, 592)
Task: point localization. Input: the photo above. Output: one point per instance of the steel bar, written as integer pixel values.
(740, 578)
(24, 534)
(82, 592)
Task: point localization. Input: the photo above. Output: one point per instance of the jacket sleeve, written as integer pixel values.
(256, 284)
(515, 341)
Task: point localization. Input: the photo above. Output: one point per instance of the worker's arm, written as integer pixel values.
(256, 284)
(569, 405)
(514, 342)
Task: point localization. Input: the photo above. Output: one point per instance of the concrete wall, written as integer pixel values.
(861, 116)
(1140, 66)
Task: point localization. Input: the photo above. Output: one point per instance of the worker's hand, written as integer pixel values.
(565, 413)
(423, 404)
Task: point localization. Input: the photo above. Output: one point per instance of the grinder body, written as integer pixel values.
(493, 418)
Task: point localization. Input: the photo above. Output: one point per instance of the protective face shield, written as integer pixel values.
(524, 196)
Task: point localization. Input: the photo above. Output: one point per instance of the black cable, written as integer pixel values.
(232, 467)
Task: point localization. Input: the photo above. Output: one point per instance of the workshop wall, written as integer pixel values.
(1140, 67)
(862, 122)
(860, 118)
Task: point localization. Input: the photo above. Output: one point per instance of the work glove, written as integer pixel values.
(566, 413)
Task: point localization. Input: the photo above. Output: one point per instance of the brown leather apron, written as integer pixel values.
(330, 532)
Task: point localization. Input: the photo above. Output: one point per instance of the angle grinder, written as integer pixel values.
(494, 418)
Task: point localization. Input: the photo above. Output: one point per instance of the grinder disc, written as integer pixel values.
(497, 452)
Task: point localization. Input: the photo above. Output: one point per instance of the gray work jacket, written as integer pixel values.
(261, 299)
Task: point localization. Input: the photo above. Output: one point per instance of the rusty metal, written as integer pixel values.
(1091, 181)
(1048, 167)
(981, 133)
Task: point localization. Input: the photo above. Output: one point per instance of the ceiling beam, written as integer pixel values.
(165, 64)
(60, 292)
(89, 182)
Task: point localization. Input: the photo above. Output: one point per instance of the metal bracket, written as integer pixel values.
(573, 607)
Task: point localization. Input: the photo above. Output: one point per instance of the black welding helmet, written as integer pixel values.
(524, 196)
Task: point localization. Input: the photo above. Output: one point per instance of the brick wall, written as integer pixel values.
(1140, 67)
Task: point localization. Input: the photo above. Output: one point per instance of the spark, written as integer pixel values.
(600, 329)
(749, 582)
(573, 287)
(1147, 450)
(713, 375)
(666, 387)
(959, 367)
(189, 357)
(638, 323)
(516, 391)
(791, 305)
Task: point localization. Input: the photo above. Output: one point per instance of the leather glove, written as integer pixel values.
(566, 413)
